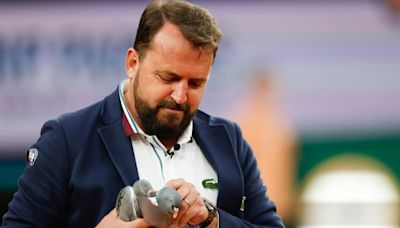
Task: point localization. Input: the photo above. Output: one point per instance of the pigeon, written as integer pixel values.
(127, 203)
(157, 208)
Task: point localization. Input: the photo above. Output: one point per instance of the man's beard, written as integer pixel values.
(162, 128)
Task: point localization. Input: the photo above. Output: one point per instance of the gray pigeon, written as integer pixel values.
(158, 209)
(127, 204)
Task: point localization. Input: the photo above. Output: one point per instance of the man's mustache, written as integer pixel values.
(173, 105)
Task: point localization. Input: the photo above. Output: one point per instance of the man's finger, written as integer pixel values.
(175, 183)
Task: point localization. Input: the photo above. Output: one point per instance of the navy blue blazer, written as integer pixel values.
(84, 160)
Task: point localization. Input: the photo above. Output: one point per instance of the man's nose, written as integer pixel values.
(180, 92)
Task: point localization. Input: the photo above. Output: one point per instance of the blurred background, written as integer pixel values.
(315, 86)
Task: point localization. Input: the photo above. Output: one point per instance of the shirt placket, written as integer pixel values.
(159, 154)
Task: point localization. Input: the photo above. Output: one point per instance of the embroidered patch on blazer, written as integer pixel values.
(32, 156)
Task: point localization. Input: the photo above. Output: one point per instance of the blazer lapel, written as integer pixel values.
(217, 148)
(118, 146)
(120, 151)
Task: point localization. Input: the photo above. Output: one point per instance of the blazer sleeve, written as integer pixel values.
(259, 210)
(40, 200)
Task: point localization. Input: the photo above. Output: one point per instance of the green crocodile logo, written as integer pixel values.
(209, 183)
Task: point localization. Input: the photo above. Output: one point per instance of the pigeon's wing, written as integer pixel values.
(126, 205)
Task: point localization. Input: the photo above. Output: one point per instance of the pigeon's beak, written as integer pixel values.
(175, 212)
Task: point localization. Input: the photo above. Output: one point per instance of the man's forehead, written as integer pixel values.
(168, 36)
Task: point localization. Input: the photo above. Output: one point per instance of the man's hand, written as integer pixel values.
(111, 220)
(192, 210)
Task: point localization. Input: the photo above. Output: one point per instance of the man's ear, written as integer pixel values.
(131, 62)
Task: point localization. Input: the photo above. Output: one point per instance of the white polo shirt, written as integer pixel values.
(157, 166)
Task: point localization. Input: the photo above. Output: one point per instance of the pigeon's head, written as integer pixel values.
(142, 188)
(168, 200)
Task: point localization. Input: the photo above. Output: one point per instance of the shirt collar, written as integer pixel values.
(131, 127)
(128, 122)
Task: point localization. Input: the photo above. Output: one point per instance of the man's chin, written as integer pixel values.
(171, 124)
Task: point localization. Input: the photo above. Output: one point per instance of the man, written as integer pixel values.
(149, 128)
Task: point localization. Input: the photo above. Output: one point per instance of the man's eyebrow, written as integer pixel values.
(172, 74)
